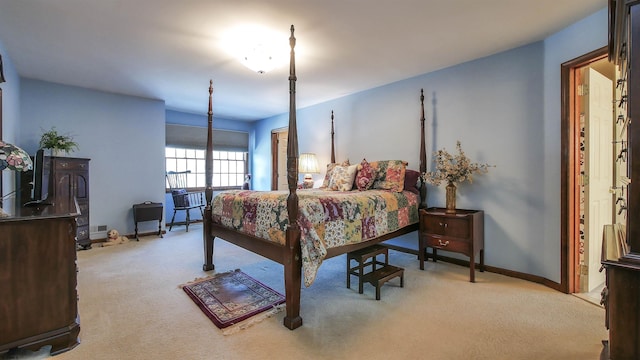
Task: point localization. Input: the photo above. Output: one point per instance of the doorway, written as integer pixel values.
(0, 139)
(279, 139)
(588, 169)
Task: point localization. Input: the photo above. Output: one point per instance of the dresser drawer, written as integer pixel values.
(83, 233)
(449, 244)
(70, 164)
(82, 220)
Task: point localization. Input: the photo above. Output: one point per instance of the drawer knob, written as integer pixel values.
(443, 243)
(443, 224)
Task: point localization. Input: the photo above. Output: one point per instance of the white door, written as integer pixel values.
(283, 138)
(599, 171)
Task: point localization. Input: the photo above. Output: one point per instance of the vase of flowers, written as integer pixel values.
(58, 143)
(451, 198)
(453, 169)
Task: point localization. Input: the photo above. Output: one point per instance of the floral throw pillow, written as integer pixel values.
(366, 176)
(390, 174)
(327, 175)
(342, 177)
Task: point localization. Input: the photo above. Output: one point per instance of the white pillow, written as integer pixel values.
(327, 176)
(342, 177)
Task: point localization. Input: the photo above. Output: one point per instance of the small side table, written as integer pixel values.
(148, 211)
(461, 232)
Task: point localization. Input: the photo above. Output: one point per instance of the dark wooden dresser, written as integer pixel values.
(621, 296)
(38, 297)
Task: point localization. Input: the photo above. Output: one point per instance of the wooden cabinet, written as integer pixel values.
(622, 294)
(38, 298)
(622, 310)
(461, 232)
(69, 182)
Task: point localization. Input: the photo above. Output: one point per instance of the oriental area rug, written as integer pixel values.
(234, 300)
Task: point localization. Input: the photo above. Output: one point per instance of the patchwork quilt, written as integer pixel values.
(326, 218)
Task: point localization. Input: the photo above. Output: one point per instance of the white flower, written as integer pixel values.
(453, 169)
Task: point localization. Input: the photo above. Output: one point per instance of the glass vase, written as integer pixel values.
(451, 198)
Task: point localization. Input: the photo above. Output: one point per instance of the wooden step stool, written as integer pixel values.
(378, 275)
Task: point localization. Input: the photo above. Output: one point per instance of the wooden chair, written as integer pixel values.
(183, 200)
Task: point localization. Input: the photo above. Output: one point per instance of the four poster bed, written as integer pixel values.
(328, 223)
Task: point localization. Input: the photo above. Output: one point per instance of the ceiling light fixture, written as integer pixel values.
(259, 49)
(259, 59)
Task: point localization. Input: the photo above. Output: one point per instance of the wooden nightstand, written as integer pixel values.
(461, 232)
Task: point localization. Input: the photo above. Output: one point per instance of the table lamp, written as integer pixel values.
(308, 164)
(13, 158)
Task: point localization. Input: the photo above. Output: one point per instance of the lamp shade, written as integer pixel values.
(308, 164)
(14, 158)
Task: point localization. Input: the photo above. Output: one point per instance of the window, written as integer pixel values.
(185, 150)
(229, 167)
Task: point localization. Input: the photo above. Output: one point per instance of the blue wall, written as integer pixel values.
(505, 109)
(122, 135)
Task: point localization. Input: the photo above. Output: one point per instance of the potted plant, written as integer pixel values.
(58, 143)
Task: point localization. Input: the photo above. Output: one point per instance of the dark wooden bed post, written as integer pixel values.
(333, 149)
(292, 260)
(423, 156)
(208, 245)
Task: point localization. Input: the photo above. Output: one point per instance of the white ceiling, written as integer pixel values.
(168, 49)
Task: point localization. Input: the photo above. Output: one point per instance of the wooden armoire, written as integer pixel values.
(69, 181)
(66, 179)
(622, 293)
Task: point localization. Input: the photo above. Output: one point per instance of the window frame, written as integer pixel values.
(190, 157)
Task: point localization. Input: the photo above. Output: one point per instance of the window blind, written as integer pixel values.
(195, 137)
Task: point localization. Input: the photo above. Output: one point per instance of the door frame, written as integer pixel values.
(274, 160)
(569, 184)
(1, 201)
(274, 156)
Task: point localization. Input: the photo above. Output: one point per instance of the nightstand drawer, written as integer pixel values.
(449, 244)
(457, 226)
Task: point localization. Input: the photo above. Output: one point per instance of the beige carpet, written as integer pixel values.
(131, 308)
